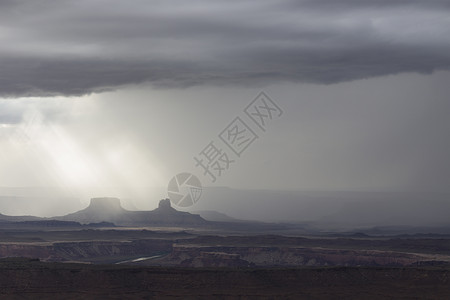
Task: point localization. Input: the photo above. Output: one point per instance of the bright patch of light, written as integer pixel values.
(52, 146)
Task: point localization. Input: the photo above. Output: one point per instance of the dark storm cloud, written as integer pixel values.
(79, 47)
(358, 4)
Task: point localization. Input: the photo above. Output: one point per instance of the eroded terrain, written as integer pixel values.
(193, 248)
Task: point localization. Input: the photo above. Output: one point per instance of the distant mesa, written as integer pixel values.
(164, 203)
(165, 206)
(214, 216)
(110, 210)
(5, 218)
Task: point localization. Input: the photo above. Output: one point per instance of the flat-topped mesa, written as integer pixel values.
(164, 203)
(165, 206)
(109, 210)
(105, 204)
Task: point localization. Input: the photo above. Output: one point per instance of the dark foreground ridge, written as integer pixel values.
(32, 279)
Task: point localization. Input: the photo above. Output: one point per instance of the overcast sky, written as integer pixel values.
(125, 94)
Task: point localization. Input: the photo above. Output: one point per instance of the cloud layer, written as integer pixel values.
(79, 47)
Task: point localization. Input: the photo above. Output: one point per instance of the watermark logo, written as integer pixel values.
(220, 153)
(184, 189)
(263, 110)
(238, 136)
